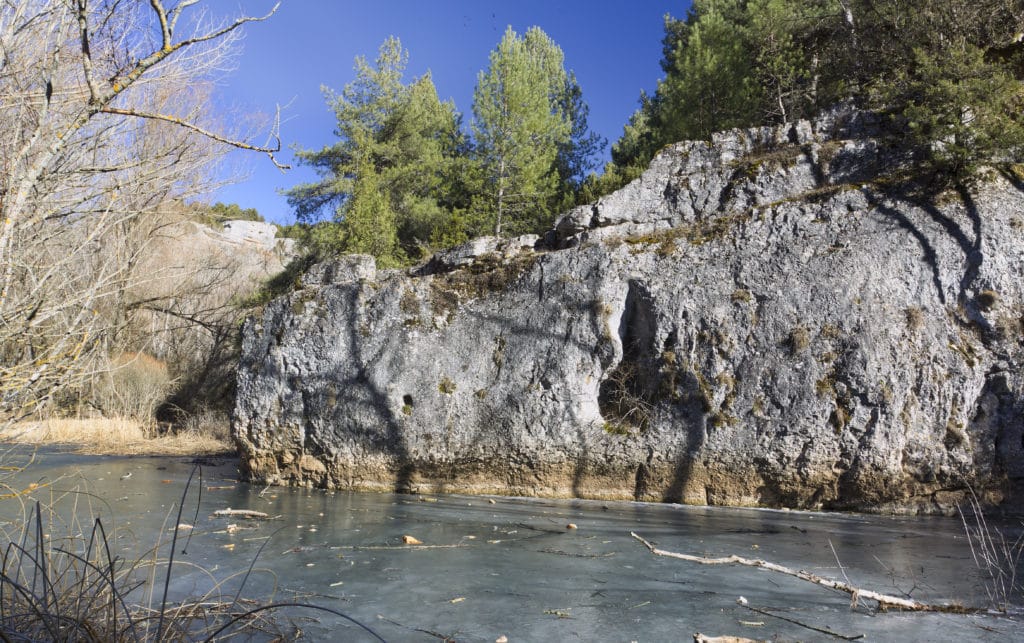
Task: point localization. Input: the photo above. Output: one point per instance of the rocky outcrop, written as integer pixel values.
(258, 234)
(764, 319)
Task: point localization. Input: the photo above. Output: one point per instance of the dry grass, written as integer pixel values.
(997, 557)
(118, 436)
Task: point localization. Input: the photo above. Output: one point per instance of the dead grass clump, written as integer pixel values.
(207, 424)
(915, 317)
(117, 436)
(741, 295)
(799, 339)
(489, 274)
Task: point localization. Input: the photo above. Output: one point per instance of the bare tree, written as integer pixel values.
(181, 302)
(104, 116)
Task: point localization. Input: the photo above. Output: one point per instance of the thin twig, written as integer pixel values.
(834, 554)
(575, 555)
(436, 635)
(810, 627)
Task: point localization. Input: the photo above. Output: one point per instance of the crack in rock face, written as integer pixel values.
(759, 320)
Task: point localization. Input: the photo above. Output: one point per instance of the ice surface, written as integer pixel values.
(492, 567)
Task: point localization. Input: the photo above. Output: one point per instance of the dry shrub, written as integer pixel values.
(623, 399)
(987, 299)
(207, 424)
(132, 386)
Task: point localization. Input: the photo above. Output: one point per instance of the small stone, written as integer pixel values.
(571, 525)
(501, 639)
(410, 540)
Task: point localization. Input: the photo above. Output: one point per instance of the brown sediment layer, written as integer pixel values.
(694, 484)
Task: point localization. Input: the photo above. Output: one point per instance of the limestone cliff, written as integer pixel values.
(768, 318)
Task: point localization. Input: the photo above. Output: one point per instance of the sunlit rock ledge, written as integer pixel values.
(762, 319)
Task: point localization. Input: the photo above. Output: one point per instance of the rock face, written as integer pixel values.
(257, 233)
(765, 319)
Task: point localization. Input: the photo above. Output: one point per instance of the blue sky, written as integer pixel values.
(613, 46)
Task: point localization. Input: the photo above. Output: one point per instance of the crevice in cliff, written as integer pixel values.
(626, 397)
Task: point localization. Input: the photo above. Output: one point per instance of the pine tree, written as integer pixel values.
(948, 72)
(957, 81)
(519, 125)
(710, 88)
(384, 180)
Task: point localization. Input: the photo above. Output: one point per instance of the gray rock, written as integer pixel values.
(463, 255)
(343, 270)
(258, 234)
(244, 231)
(754, 321)
(575, 221)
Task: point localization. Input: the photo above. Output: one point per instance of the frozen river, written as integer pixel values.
(497, 567)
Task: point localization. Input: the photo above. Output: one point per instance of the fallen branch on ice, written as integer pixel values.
(884, 600)
(239, 513)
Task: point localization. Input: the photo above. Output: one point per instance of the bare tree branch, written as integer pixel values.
(269, 151)
(883, 600)
(176, 13)
(104, 119)
(83, 28)
(165, 28)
